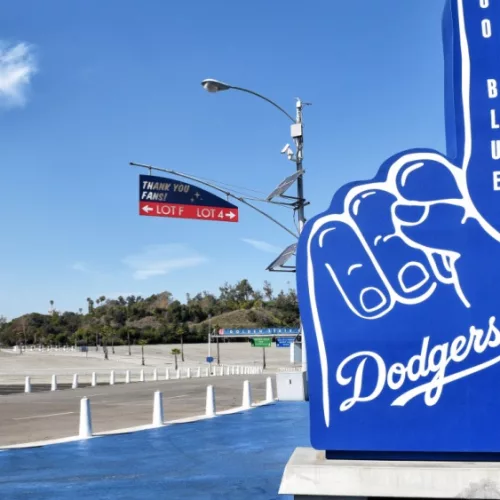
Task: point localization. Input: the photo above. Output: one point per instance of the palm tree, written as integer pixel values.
(175, 352)
(51, 306)
(142, 343)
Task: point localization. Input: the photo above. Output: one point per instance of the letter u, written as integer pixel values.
(495, 149)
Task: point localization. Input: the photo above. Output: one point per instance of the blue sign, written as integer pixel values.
(284, 341)
(210, 359)
(164, 197)
(258, 331)
(165, 190)
(397, 279)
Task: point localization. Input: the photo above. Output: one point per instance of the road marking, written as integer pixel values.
(45, 416)
(107, 403)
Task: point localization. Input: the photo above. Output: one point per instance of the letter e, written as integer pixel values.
(496, 180)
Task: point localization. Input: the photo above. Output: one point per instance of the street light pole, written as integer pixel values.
(213, 86)
(298, 136)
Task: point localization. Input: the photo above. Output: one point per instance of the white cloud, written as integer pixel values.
(17, 67)
(262, 245)
(158, 260)
(81, 267)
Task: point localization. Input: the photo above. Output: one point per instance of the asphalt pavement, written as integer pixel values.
(43, 414)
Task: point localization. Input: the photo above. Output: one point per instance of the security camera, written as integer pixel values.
(286, 149)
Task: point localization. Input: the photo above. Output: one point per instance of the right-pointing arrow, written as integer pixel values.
(231, 215)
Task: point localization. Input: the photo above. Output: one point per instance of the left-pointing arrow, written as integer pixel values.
(147, 209)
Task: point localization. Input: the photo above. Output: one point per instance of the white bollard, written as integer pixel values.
(167, 374)
(188, 373)
(158, 409)
(221, 371)
(112, 378)
(228, 371)
(247, 395)
(85, 431)
(178, 373)
(27, 385)
(74, 385)
(198, 373)
(155, 375)
(269, 390)
(141, 377)
(127, 377)
(210, 406)
(94, 379)
(53, 384)
(206, 372)
(237, 370)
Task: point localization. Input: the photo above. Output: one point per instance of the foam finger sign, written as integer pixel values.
(397, 280)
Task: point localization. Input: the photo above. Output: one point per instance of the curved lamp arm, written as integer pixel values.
(215, 86)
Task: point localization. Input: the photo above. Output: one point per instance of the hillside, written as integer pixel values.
(159, 318)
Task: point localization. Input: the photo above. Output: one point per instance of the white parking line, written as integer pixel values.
(44, 416)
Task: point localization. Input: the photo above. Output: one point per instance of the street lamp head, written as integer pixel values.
(211, 85)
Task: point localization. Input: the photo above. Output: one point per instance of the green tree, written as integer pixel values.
(268, 291)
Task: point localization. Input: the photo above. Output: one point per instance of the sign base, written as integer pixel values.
(309, 474)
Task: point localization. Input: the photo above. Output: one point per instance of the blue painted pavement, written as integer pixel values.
(237, 457)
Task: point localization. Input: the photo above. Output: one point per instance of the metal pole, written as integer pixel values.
(299, 143)
(209, 336)
(218, 351)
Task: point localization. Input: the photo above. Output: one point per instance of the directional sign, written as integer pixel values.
(261, 342)
(163, 197)
(210, 359)
(284, 341)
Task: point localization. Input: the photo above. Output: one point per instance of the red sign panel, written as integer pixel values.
(178, 211)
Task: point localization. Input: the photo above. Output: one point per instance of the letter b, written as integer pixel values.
(492, 89)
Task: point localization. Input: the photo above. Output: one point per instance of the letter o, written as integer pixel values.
(486, 28)
(399, 370)
(484, 4)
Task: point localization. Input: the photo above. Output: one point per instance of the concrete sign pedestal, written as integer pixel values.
(309, 475)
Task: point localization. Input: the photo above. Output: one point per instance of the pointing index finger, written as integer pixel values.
(471, 30)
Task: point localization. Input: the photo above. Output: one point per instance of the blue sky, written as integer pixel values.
(87, 87)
